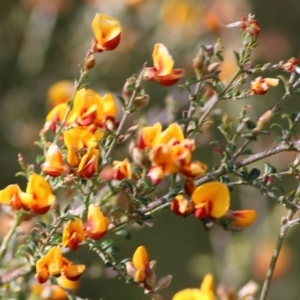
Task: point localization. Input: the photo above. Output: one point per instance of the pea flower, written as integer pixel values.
(38, 196)
(211, 200)
(206, 291)
(241, 218)
(54, 264)
(73, 234)
(90, 108)
(12, 195)
(261, 85)
(79, 138)
(97, 223)
(88, 165)
(141, 269)
(163, 71)
(107, 31)
(121, 169)
(182, 206)
(147, 135)
(53, 292)
(53, 165)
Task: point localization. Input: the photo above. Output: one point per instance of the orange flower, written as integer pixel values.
(211, 200)
(38, 196)
(73, 234)
(206, 291)
(97, 223)
(147, 135)
(79, 138)
(53, 166)
(90, 108)
(87, 106)
(172, 133)
(61, 92)
(88, 165)
(107, 31)
(140, 261)
(53, 264)
(57, 114)
(53, 292)
(12, 195)
(163, 71)
(156, 175)
(182, 206)
(122, 169)
(261, 85)
(194, 170)
(242, 218)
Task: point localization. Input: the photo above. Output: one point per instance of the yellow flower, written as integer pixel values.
(194, 169)
(172, 133)
(107, 31)
(90, 108)
(12, 195)
(53, 292)
(79, 138)
(97, 223)
(54, 263)
(163, 71)
(182, 206)
(73, 234)
(242, 218)
(211, 200)
(122, 169)
(61, 92)
(88, 165)
(147, 135)
(38, 196)
(206, 291)
(140, 262)
(261, 85)
(53, 166)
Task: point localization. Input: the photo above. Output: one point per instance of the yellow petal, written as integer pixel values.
(162, 60)
(140, 258)
(243, 218)
(214, 196)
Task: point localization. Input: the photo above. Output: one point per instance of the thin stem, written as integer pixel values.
(216, 100)
(10, 234)
(127, 112)
(283, 230)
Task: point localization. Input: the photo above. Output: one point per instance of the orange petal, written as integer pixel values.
(171, 78)
(214, 197)
(243, 218)
(140, 258)
(162, 60)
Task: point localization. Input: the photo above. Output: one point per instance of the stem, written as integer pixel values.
(10, 234)
(213, 104)
(127, 112)
(283, 230)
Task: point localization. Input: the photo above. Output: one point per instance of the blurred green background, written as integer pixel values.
(43, 41)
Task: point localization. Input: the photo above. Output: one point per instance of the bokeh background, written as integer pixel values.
(43, 41)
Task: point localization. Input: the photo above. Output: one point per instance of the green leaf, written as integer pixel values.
(124, 233)
(253, 174)
(39, 159)
(250, 124)
(237, 57)
(191, 80)
(247, 152)
(268, 169)
(121, 100)
(106, 244)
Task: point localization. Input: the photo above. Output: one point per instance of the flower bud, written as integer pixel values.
(263, 121)
(90, 62)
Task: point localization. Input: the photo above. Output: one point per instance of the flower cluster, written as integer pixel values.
(168, 152)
